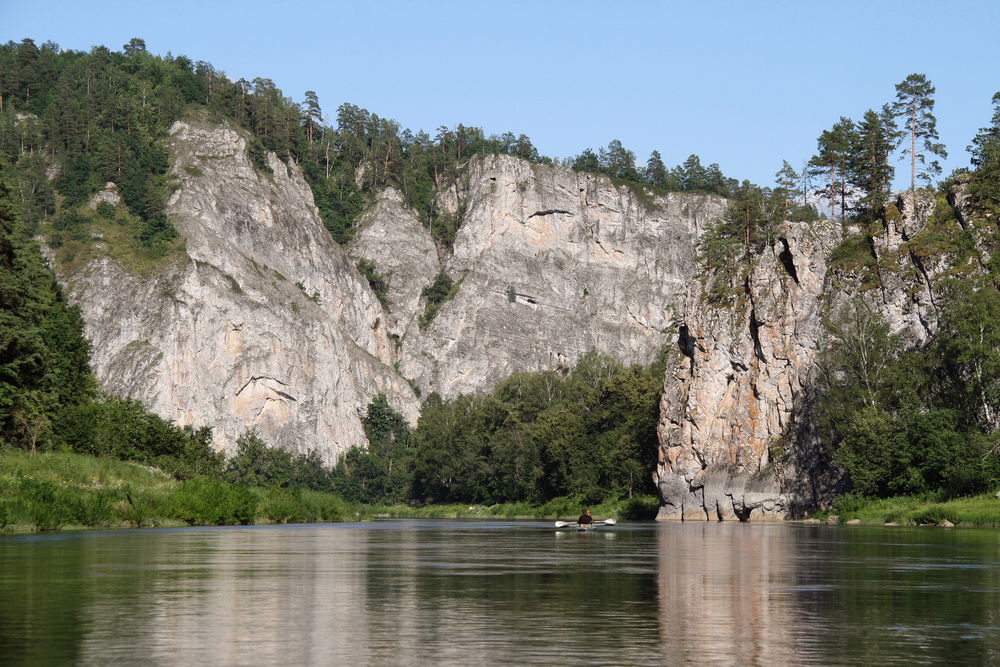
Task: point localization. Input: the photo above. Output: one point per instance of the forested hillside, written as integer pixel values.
(72, 121)
(898, 415)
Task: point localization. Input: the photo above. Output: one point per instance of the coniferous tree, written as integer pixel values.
(831, 161)
(788, 187)
(618, 162)
(312, 113)
(586, 161)
(870, 172)
(915, 105)
(44, 357)
(656, 171)
(692, 176)
(730, 246)
(984, 188)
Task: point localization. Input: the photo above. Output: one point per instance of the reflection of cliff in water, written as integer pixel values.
(502, 593)
(288, 595)
(722, 594)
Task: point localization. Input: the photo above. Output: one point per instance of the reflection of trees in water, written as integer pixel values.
(785, 594)
(909, 595)
(454, 592)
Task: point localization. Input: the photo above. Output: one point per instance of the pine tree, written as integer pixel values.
(832, 161)
(915, 105)
(869, 169)
(617, 161)
(312, 113)
(787, 180)
(984, 188)
(656, 171)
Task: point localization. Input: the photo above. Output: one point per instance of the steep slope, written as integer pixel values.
(552, 263)
(265, 325)
(735, 432)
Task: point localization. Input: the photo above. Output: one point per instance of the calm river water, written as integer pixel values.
(502, 593)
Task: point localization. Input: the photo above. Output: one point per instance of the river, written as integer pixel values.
(423, 592)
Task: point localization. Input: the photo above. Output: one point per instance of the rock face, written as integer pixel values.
(742, 371)
(266, 324)
(552, 264)
(404, 252)
(734, 433)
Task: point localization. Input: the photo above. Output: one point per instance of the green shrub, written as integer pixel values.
(852, 503)
(376, 281)
(207, 502)
(106, 210)
(283, 506)
(437, 294)
(96, 508)
(46, 505)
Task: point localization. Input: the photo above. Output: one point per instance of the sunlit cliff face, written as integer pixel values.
(268, 325)
(736, 439)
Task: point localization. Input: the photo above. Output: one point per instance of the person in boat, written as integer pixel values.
(585, 519)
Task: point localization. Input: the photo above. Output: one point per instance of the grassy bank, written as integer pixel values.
(52, 491)
(982, 510)
(638, 508)
(55, 491)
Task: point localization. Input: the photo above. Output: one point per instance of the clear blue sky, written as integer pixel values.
(743, 83)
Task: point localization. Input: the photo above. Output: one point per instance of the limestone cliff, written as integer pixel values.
(265, 324)
(552, 263)
(735, 439)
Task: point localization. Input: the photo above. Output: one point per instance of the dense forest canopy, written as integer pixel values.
(897, 419)
(96, 117)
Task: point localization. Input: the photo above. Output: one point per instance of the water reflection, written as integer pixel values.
(717, 595)
(250, 596)
(501, 593)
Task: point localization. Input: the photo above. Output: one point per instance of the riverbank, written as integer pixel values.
(55, 490)
(569, 508)
(52, 491)
(922, 510)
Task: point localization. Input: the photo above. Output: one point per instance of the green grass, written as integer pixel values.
(98, 237)
(53, 491)
(639, 508)
(57, 490)
(982, 510)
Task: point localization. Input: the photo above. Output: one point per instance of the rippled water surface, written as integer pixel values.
(502, 593)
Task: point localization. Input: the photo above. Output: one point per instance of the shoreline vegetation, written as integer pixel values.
(51, 491)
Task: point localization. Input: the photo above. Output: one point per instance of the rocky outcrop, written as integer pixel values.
(552, 264)
(265, 324)
(404, 253)
(737, 381)
(736, 442)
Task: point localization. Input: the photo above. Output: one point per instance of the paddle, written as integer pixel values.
(606, 522)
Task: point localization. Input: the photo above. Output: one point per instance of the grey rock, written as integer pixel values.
(590, 265)
(264, 325)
